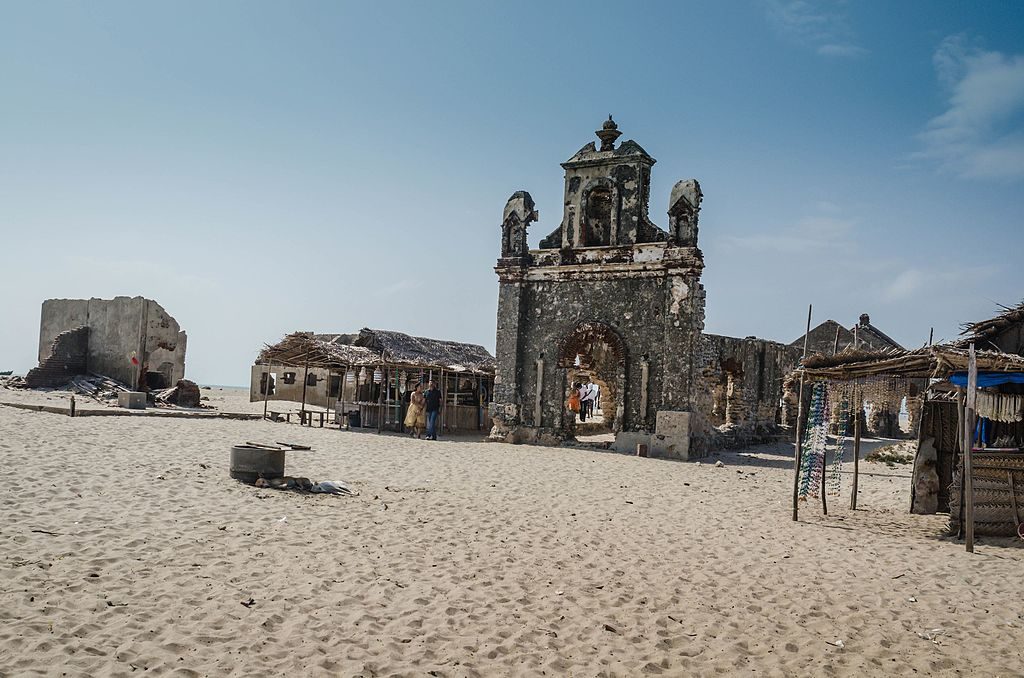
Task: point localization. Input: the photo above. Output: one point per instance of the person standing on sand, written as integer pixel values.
(416, 416)
(432, 399)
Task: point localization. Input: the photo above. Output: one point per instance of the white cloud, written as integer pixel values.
(808, 234)
(815, 24)
(912, 282)
(979, 135)
(842, 50)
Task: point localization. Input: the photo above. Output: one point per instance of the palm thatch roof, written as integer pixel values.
(376, 347)
(318, 350)
(404, 349)
(982, 332)
(935, 362)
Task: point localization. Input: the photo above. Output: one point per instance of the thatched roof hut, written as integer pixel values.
(377, 347)
(1004, 332)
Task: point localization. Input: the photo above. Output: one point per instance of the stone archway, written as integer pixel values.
(596, 348)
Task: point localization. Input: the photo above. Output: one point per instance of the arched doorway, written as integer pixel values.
(595, 352)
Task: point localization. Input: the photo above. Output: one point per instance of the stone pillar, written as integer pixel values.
(505, 410)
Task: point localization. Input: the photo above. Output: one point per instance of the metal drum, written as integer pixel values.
(249, 463)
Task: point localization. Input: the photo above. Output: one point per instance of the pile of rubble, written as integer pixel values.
(184, 394)
(97, 386)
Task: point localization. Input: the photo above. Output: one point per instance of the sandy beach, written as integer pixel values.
(128, 550)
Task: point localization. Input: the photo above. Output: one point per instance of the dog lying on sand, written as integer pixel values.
(306, 485)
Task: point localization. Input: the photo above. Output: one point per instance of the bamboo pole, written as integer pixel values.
(824, 472)
(380, 399)
(344, 383)
(799, 423)
(266, 388)
(972, 394)
(961, 421)
(442, 415)
(856, 446)
(835, 344)
(305, 382)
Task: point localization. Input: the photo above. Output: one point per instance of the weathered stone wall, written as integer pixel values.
(67, 357)
(645, 314)
(118, 329)
(741, 388)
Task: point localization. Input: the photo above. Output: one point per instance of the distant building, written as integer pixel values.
(130, 339)
(863, 335)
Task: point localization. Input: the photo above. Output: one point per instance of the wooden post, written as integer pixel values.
(266, 388)
(856, 446)
(961, 421)
(380, 399)
(835, 344)
(344, 383)
(71, 411)
(972, 395)
(824, 472)
(799, 424)
(305, 381)
(442, 415)
(931, 335)
(455, 419)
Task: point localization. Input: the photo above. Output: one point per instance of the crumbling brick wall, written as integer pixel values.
(67, 357)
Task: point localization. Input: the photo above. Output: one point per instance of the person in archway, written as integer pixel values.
(581, 390)
(432, 401)
(572, 403)
(589, 400)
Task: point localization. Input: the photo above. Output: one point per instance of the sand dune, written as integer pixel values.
(469, 559)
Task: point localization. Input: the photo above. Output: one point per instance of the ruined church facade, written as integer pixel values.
(611, 293)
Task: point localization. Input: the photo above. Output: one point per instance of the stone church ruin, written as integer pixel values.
(614, 298)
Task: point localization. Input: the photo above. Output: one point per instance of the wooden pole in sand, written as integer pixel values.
(305, 381)
(972, 396)
(344, 383)
(266, 388)
(856, 445)
(800, 423)
(961, 420)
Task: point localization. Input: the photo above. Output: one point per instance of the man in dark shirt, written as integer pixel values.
(433, 407)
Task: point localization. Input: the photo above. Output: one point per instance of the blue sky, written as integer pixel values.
(262, 167)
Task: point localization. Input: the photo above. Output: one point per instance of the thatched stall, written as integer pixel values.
(957, 370)
(366, 378)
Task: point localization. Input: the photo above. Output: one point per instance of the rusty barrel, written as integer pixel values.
(249, 462)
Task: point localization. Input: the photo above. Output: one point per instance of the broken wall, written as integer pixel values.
(741, 388)
(120, 328)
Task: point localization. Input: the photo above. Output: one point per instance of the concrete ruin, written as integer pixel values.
(614, 296)
(130, 339)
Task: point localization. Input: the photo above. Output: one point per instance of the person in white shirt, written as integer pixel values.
(587, 397)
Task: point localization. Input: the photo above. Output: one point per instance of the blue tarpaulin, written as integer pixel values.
(988, 379)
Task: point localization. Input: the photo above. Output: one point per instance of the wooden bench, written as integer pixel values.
(306, 418)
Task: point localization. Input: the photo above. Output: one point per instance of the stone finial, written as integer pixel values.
(519, 213)
(608, 133)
